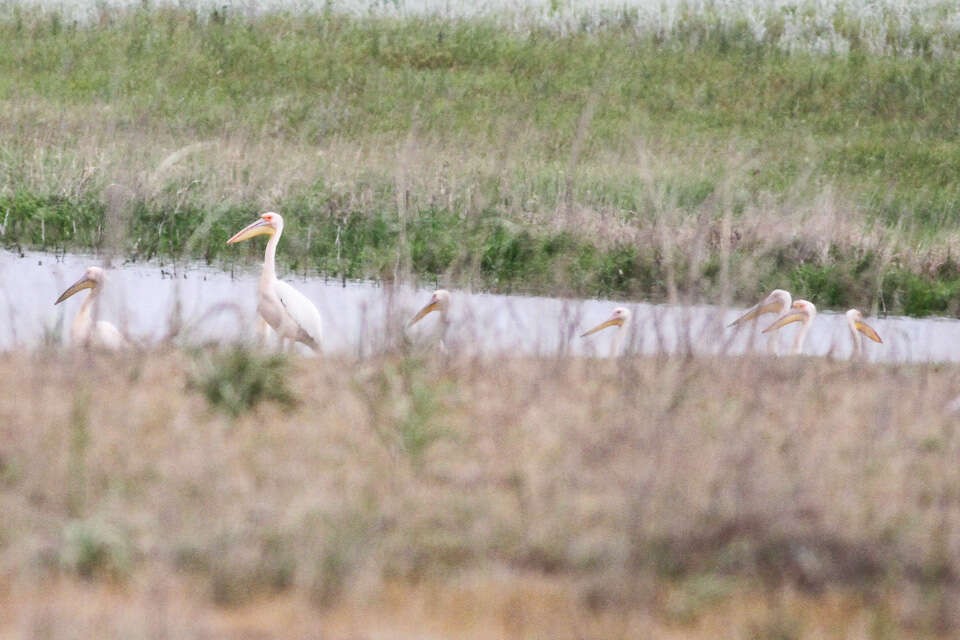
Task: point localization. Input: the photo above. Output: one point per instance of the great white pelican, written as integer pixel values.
(777, 302)
(86, 330)
(286, 310)
(619, 318)
(857, 326)
(439, 302)
(801, 311)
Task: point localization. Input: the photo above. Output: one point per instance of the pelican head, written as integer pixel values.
(856, 323)
(778, 302)
(801, 311)
(269, 223)
(439, 301)
(619, 318)
(92, 278)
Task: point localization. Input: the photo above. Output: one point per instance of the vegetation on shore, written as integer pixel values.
(652, 491)
(707, 162)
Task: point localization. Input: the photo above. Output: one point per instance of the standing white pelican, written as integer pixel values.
(86, 331)
(778, 302)
(289, 312)
(439, 302)
(857, 326)
(619, 318)
(801, 311)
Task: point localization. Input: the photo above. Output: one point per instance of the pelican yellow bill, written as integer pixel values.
(256, 228)
(432, 306)
(867, 330)
(793, 316)
(76, 287)
(611, 322)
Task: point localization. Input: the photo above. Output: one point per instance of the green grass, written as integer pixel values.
(236, 380)
(486, 252)
(468, 153)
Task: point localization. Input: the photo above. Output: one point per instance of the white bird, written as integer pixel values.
(286, 310)
(86, 331)
(801, 311)
(439, 302)
(778, 302)
(619, 318)
(857, 326)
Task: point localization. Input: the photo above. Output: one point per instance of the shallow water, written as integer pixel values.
(198, 304)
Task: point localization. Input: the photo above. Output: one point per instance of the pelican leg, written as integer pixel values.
(261, 332)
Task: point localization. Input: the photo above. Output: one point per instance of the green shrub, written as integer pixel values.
(93, 547)
(236, 379)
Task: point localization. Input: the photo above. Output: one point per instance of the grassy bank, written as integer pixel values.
(676, 496)
(708, 161)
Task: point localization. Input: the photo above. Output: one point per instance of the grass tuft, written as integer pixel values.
(92, 548)
(236, 379)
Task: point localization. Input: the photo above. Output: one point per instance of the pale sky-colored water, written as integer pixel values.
(361, 318)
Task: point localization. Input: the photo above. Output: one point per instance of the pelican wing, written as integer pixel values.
(107, 336)
(303, 312)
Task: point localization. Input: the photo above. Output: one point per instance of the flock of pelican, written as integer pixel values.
(803, 311)
(295, 318)
(779, 302)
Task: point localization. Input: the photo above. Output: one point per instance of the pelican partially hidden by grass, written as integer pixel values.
(857, 326)
(801, 311)
(439, 302)
(86, 330)
(286, 310)
(619, 318)
(777, 302)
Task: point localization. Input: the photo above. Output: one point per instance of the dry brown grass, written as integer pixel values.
(409, 497)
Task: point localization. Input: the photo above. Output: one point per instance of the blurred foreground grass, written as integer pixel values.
(516, 498)
(712, 160)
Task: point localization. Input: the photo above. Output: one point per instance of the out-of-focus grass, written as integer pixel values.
(664, 490)
(237, 379)
(621, 160)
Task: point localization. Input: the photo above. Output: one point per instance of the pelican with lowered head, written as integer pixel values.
(802, 311)
(439, 302)
(857, 326)
(619, 318)
(779, 302)
(86, 330)
(286, 310)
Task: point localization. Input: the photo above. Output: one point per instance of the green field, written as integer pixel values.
(701, 163)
